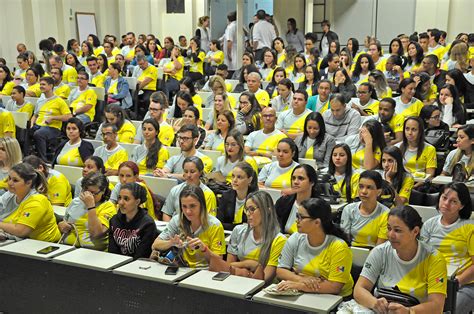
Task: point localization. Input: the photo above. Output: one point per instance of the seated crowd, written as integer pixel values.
(354, 121)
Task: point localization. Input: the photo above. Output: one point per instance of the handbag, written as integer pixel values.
(396, 296)
(460, 172)
(77, 242)
(438, 138)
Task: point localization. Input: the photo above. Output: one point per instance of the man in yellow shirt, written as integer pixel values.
(253, 83)
(48, 117)
(83, 99)
(147, 76)
(69, 73)
(60, 89)
(96, 77)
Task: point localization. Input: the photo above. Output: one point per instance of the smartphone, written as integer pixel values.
(220, 276)
(171, 270)
(48, 249)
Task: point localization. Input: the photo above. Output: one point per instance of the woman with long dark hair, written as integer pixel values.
(395, 174)
(231, 204)
(463, 153)
(151, 154)
(317, 258)
(132, 231)
(249, 117)
(303, 186)
(453, 113)
(315, 143)
(340, 166)
(419, 157)
(367, 146)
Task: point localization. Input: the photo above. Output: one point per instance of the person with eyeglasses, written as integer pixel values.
(86, 222)
(234, 153)
(193, 172)
(431, 116)
(111, 153)
(366, 221)
(157, 111)
(262, 144)
(83, 99)
(317, 258)
(199, 234)
(254, 247)
(188, 135)
(366, 102)
(452, 233)
(25, 209)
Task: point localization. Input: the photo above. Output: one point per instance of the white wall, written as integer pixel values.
(283, 10)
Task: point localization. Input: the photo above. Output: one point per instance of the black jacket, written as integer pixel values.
(85, 150)
(283, 208)
(331, 36)
(132, 238)
(226, 210)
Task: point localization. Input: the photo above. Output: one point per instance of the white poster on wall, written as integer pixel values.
(85, 25)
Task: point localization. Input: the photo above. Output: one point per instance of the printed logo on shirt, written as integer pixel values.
(439, 280)
(26, 214)
(367, 265)
(340, 269)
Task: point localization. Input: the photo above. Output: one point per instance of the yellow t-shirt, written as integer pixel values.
(179, 73)
(354, 186)
(113, 88)
(262, 97)
(62, 91)
(104, 212)
(198, 66)
(359, 156)
(98, 80)
(150, 72)
(7, 123)
(55, 106)
(29, 108)
(70, 75)
(37, 213)
(126, 134)
(163, 156)
(88, 97)
(114, 161)
(417, 166)
(396, 123)
(166, 135)
(59, 189)
(70, 157)
(407, 186)
(7, 88)
(98, 51)
(35, 88)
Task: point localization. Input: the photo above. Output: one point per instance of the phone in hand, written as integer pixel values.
(48, 249)
(171, 270)
(221, 276)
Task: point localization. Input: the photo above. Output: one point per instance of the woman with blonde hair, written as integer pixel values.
(10, 155)
(203, 32)
(221, 103)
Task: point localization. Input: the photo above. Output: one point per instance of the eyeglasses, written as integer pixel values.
(300, 217)
(250, 209)
(155, 109)
(268, 116)
(107, 134)
(94, 193)
(183, 138)
(438, 117)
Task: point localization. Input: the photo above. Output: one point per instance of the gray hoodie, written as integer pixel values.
(349, 124)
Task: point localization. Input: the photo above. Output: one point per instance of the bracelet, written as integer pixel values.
(91, 208)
